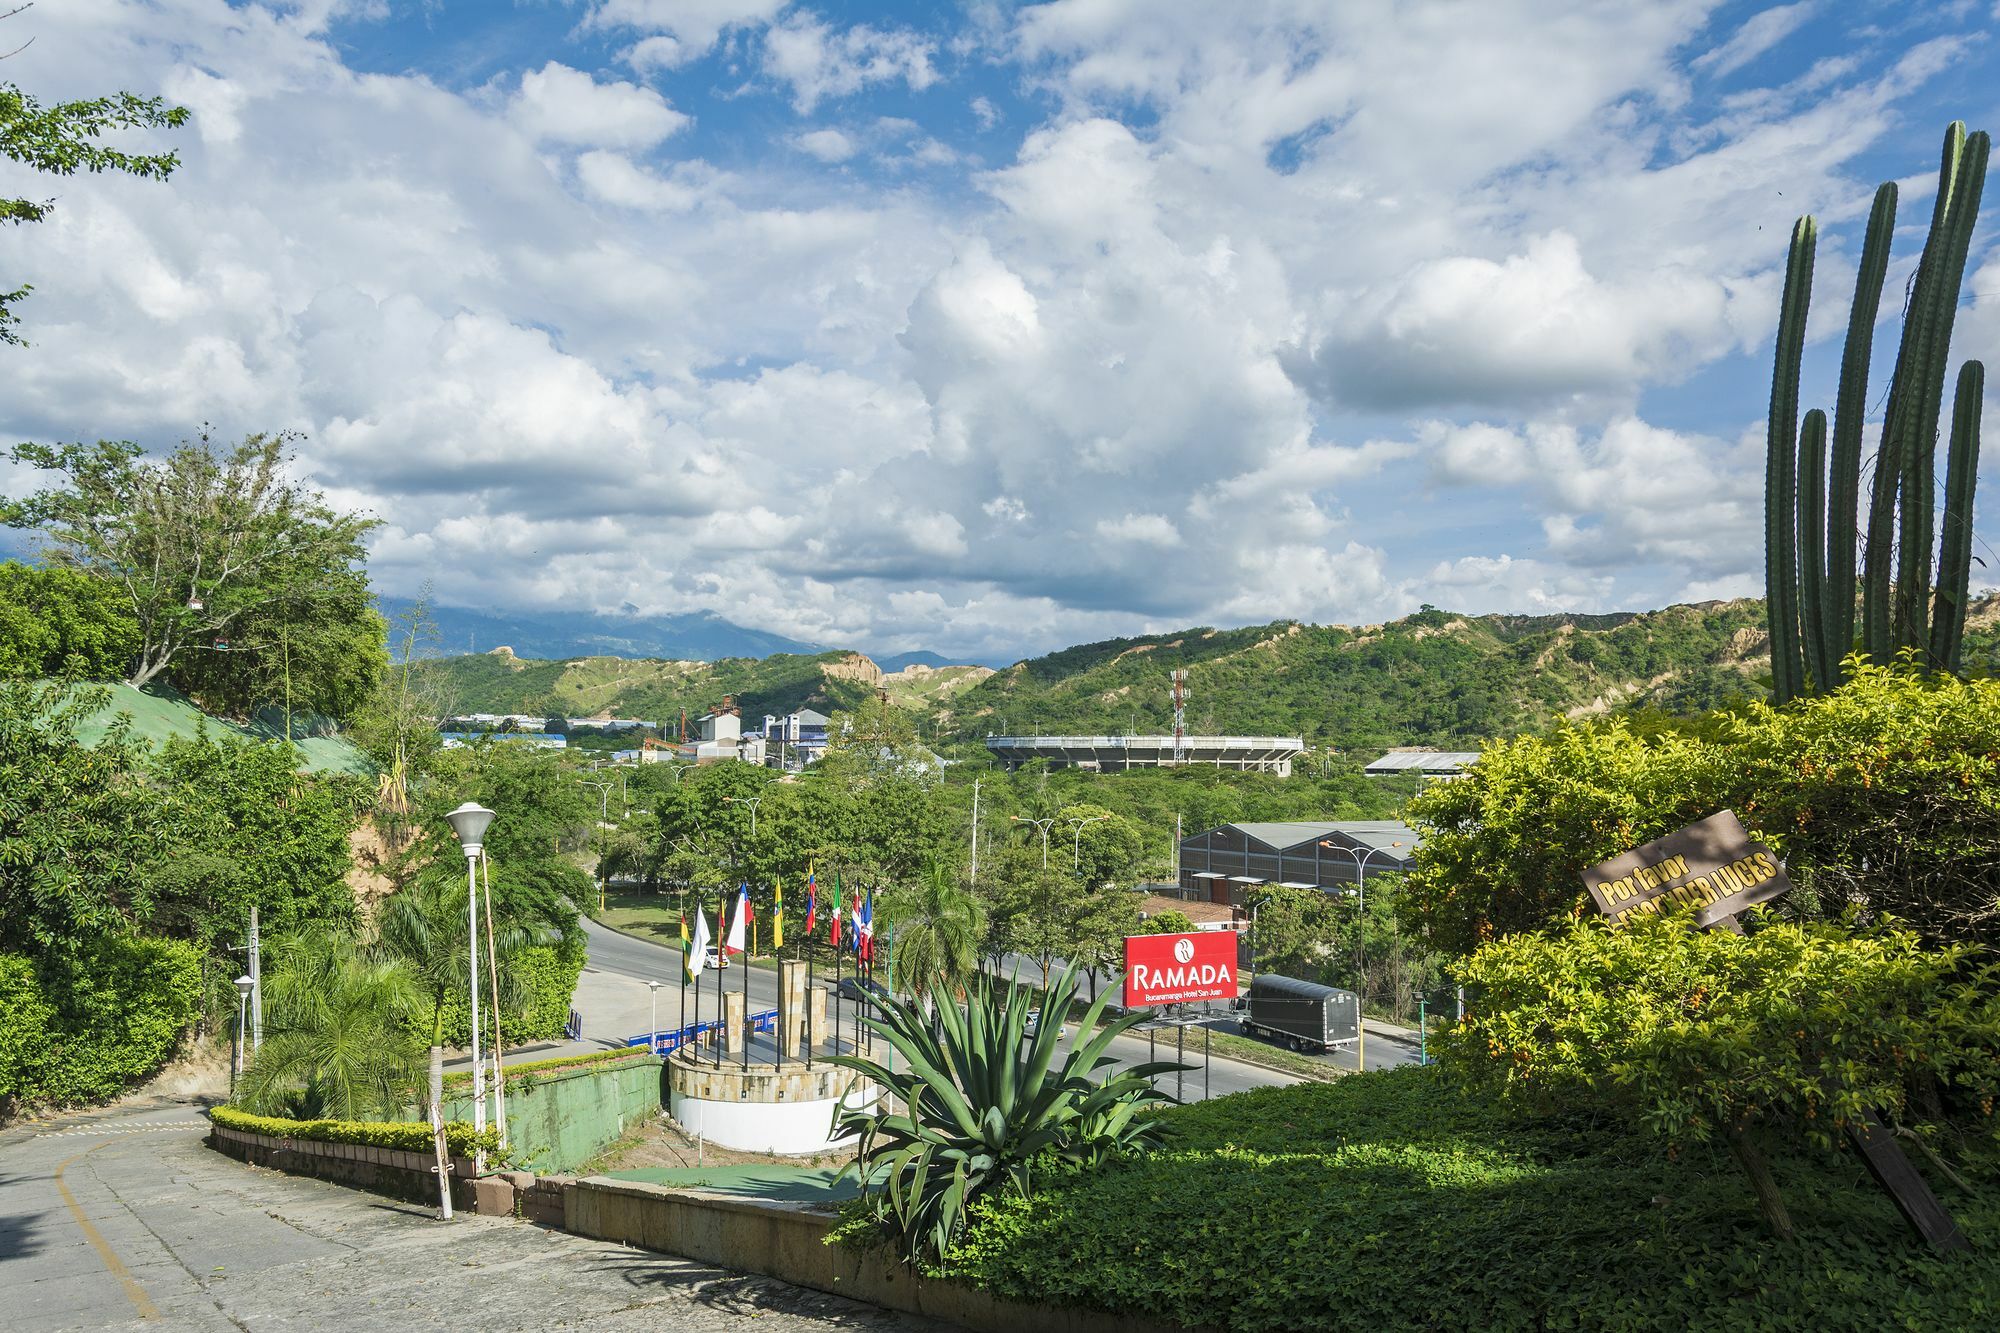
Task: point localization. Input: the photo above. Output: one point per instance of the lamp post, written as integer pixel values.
(752, 802)
(653, 1027)
(1361, 860)
(469, 822)
(603, 796)
(1076, 843)
(1042, 825)
(243, 988)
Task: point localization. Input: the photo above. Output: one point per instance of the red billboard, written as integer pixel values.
(1174, 969)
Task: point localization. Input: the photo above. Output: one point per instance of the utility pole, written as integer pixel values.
(256, 986)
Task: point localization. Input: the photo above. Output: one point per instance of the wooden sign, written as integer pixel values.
(1711, 866)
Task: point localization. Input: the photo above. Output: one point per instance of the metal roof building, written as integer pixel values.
(1114, 754)
(1223, 864)
(1430, 763)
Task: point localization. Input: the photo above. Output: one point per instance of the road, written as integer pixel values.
(614, 1000)
(125, 1218)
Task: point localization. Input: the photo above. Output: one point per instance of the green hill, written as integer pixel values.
(499, 682)
(155, 713)
(1432, 678)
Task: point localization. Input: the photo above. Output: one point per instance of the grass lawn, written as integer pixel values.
(648, 914)
(1389, 1201)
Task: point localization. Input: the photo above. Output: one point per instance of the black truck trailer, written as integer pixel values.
(1301, 1014)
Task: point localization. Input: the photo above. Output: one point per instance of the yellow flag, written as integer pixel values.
(778, 914)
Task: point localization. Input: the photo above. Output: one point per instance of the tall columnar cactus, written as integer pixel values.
(1812, 500)
(1781, 467)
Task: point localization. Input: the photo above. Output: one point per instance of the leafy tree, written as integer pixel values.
(199, 545)
(1050, 916)
(1301, 933)
(314, 652)
(76, 824)
(1103, 848)
(398, 724)
(58, 622)
(1169, 922)
(423, 927)
(63, 139)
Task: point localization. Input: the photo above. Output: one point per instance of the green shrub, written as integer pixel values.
(1693, 1033)
(84, 1030)
(1393, 1201)
(409, 1136)
(1882, 796)
(460, 1080)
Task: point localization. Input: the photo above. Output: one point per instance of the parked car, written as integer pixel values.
(858, 990)
(717, 958)
(1035, 1022)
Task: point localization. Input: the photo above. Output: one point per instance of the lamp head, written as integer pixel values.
(469, 822)
(244, 985)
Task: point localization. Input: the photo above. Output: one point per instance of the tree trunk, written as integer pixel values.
(147, 667)
(1769, 1201)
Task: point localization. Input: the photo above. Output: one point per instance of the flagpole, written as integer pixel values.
(836, 980)
(687, 956)
(721, 957)
(742, 907)
(805, 945)
(778, 954)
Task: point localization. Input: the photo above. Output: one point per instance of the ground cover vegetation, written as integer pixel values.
(1398, 1200)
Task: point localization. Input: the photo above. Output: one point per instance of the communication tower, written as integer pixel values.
(1179, 678)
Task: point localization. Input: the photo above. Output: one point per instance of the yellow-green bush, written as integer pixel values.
(409, 1136)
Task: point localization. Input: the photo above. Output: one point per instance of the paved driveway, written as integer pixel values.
(127, 1219)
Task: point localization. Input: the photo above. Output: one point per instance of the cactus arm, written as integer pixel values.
(1931, 316)
(1879, 576)
(1781, 461)
(1850, 415)
(1961, 476)
(1812, 548)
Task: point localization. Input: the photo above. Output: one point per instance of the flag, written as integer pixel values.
(864, 927)
(812, 904)
(777, 914)
(688, 965)
(698, 955)
(833, 929)
(734, 942)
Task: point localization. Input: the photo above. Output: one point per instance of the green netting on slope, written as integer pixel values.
(158, 712)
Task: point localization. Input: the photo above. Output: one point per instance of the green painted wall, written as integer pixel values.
(558, 1121)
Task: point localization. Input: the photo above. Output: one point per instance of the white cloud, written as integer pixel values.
(1759, 34)
(684, 30)
(827, 145)
(817, 61)
(1143, 529)
(557, 104)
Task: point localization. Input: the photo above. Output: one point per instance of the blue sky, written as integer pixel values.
(989, 328)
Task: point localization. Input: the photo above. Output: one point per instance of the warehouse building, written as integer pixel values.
(1223, 864)
(1115, 754)
(1430, 763)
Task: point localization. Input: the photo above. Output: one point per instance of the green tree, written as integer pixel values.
(63, 139)
(58, 622)
(1103, 848)
(937, 927)
(198, 543)
(1169, 922)
(1302, 933)
(398, 723)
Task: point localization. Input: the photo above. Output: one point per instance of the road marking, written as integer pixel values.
(112, 1263)
(87, 1132)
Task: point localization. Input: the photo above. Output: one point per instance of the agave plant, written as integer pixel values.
(980, 1102)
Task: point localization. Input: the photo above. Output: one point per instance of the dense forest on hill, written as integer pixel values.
(655, 691)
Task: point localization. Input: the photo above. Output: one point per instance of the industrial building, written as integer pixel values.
(1223, 864)
(1430, 763)
(1115, 754)
(795, 740)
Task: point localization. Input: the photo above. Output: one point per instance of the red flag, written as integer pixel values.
(812, 904)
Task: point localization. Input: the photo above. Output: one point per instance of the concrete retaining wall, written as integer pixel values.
(557, 1121)
(403, 1175)
(788, 1242)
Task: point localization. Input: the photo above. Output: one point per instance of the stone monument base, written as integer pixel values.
(765, 1108)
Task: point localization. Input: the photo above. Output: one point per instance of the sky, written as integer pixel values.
(989, 328)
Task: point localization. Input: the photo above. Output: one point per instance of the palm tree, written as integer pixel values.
(338, 1041)
(423, 926)
(938, 929)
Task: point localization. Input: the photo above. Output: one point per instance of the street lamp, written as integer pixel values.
(243, 988)
(1076, 843)
(1043, 826)
(653, 1028)
(752, 802)
(469, 822)
(603, 796)
(1361, 860)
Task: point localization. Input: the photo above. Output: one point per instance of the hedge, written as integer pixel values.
(1390, 1200)
(460, 1080)
(88, 1030)
(407, 1136)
